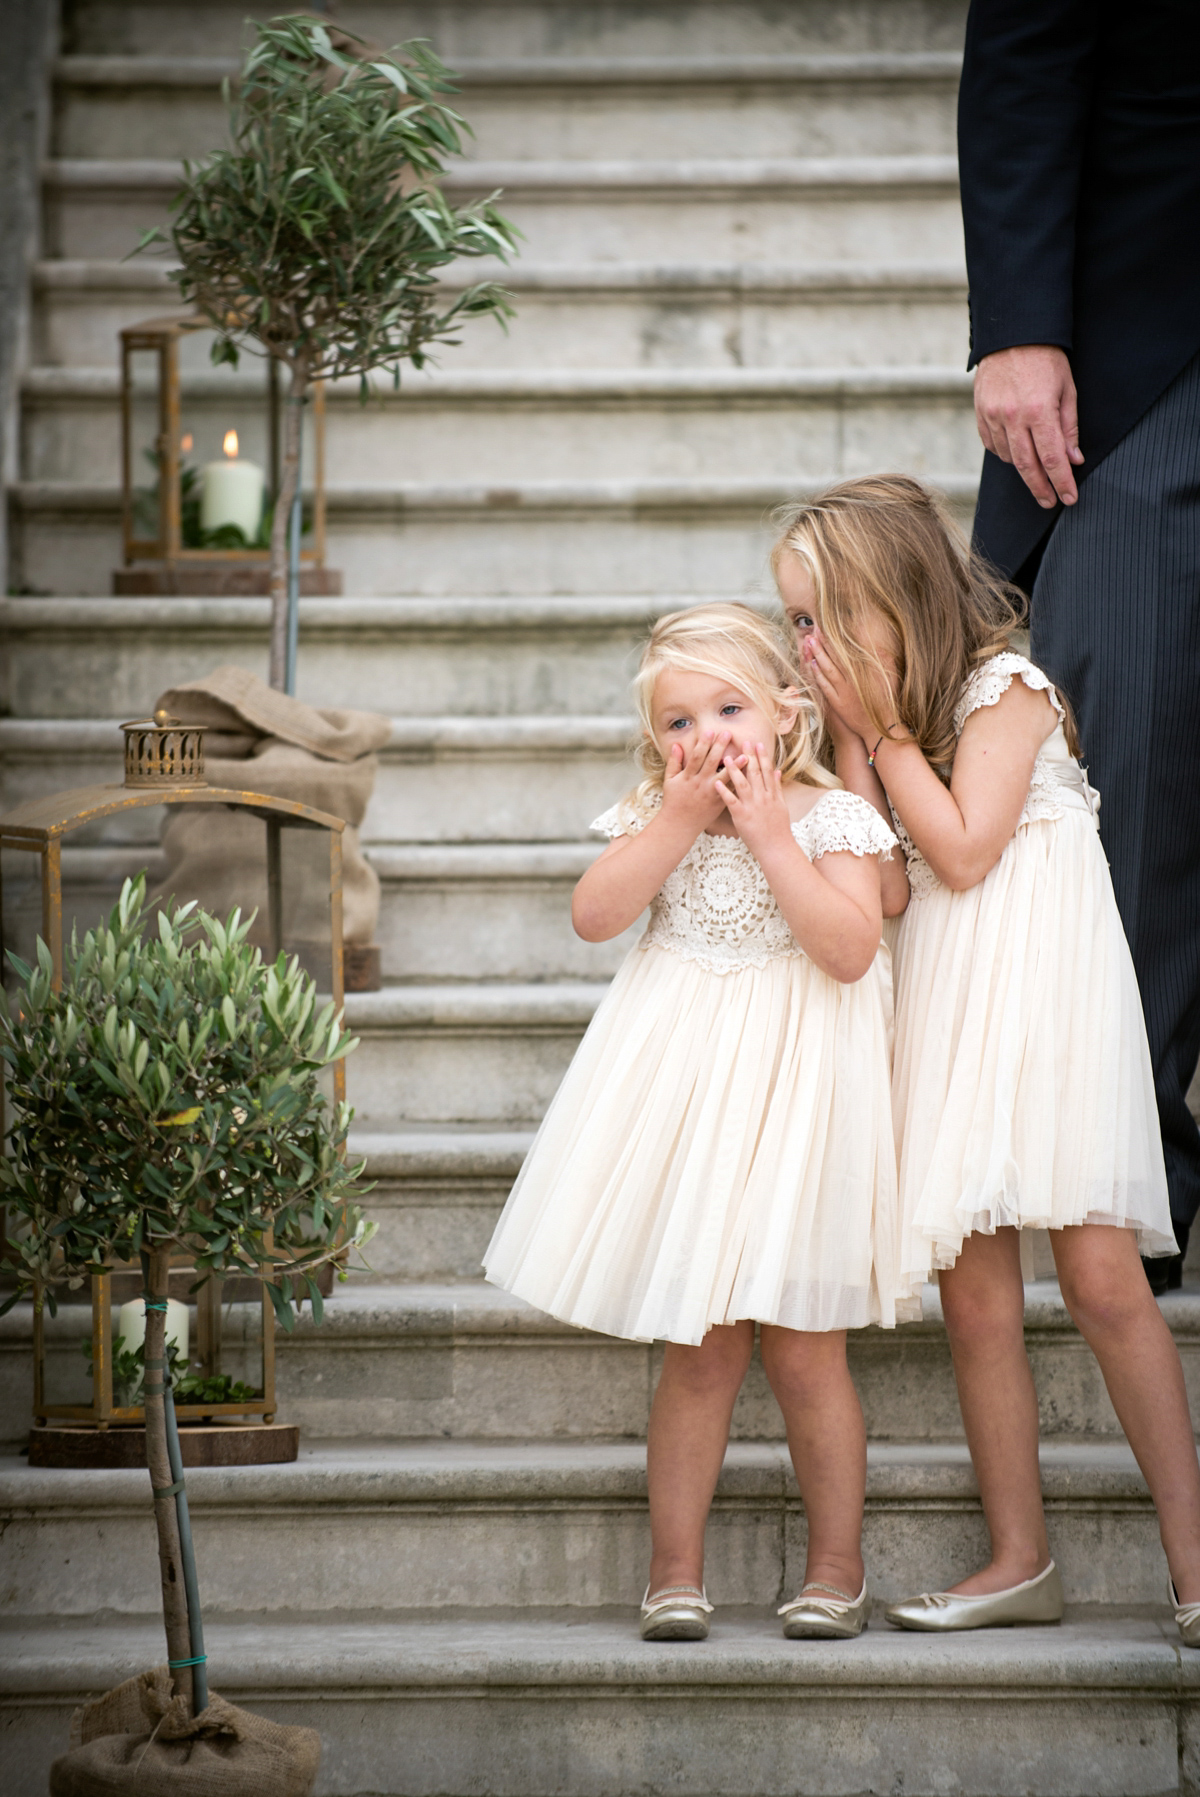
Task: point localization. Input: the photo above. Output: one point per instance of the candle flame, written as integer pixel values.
(230, 445)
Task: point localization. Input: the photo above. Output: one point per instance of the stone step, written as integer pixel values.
(415, 657)
(474, 1525)
(437, 1194)
(594, 315)
(486, 425)
(824, 209)
(680, 105)
(499, 30)
(464, 1052)
(440, 780)
(488, 912)
(467, 1361)
(456, 911)
(707, 537)
(556, 1706)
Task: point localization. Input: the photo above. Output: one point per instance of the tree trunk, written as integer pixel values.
(170, 1561)
(293, 419)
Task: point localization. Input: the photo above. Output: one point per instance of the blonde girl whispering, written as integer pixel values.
(720, 1151)
(1023, 1091)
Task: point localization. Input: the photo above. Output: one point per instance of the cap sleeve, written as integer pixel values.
(842, 823)
(989, 683)
(625, 819)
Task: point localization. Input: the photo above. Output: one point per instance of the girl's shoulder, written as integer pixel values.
(839, 822)
(990, 681)
(627, 816)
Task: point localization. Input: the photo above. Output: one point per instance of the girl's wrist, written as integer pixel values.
(896, 736)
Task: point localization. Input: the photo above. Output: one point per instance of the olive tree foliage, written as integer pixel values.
(169, 1098)
(320, 236)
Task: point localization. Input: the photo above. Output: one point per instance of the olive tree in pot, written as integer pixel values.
(320, 236)
(169, 1098)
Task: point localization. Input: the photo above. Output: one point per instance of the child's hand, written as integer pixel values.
(691, 787)
(838, 695)
(754, 798)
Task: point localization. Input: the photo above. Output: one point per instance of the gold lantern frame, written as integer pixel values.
(161, 564)
(164, 766)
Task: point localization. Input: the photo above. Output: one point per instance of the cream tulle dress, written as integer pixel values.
(721, 1146)
(1022, 1087)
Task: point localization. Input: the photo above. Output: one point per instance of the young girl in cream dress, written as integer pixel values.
(720, 1151)
(1023, 1091)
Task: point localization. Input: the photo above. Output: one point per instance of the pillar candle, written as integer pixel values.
(233, 492)
(131, 1325)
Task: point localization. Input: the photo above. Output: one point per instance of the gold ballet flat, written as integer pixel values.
(834, 1617)
(1187, 1617)
(1036, 1600)
(676, 1613)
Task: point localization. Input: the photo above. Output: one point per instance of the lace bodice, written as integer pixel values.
(1058, 784)
(716, 906)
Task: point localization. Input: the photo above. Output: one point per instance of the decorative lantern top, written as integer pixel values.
(161, 751)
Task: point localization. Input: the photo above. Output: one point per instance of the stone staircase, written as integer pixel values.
(742, 277)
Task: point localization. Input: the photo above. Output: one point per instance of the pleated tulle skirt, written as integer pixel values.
(720, 1148)
(1022, 1088)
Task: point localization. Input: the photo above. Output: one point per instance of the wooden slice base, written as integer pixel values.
(217, 580)
(200, 1444)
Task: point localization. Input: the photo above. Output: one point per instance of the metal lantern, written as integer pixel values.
(224, 1331)
(220, 1338)
(203, 474)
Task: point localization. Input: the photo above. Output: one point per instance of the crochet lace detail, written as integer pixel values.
(1043, 802)
(716, 907)
(989, 683)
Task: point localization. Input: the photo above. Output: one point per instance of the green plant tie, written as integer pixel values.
(154, 1304)
(166, 1491)
(198, 1661)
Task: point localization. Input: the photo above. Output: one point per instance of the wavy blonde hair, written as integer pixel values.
(883, 546)
(754, 654)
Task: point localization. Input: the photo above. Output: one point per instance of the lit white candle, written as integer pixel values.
(131, 1326)
(233, 492)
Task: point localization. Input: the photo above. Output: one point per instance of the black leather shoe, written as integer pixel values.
(1164, 1274)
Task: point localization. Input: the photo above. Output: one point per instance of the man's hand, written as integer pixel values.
(1027, 414)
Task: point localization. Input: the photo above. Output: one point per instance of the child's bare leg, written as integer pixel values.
(828, 1442)
(1115, 1311)
(983, 1301)
(688, 1434)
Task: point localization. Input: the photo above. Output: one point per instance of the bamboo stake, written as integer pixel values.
(156, 1270)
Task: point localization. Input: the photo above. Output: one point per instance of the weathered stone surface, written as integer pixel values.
(475, 1524)
(505, 1707)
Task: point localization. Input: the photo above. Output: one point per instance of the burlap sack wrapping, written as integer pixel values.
(263, 741)
(139, 1741)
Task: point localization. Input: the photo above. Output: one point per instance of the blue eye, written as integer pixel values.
(729, 710)
(678, 724)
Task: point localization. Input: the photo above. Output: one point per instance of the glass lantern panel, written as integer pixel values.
(237, 1361)
(144, 456)
(214, 1348)
(226, 447)
(21, 874)
(67, 1348)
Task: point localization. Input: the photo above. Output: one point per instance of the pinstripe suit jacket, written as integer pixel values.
(1079, 153)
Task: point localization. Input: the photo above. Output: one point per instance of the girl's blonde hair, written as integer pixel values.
(884, 546)
(735, 643)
